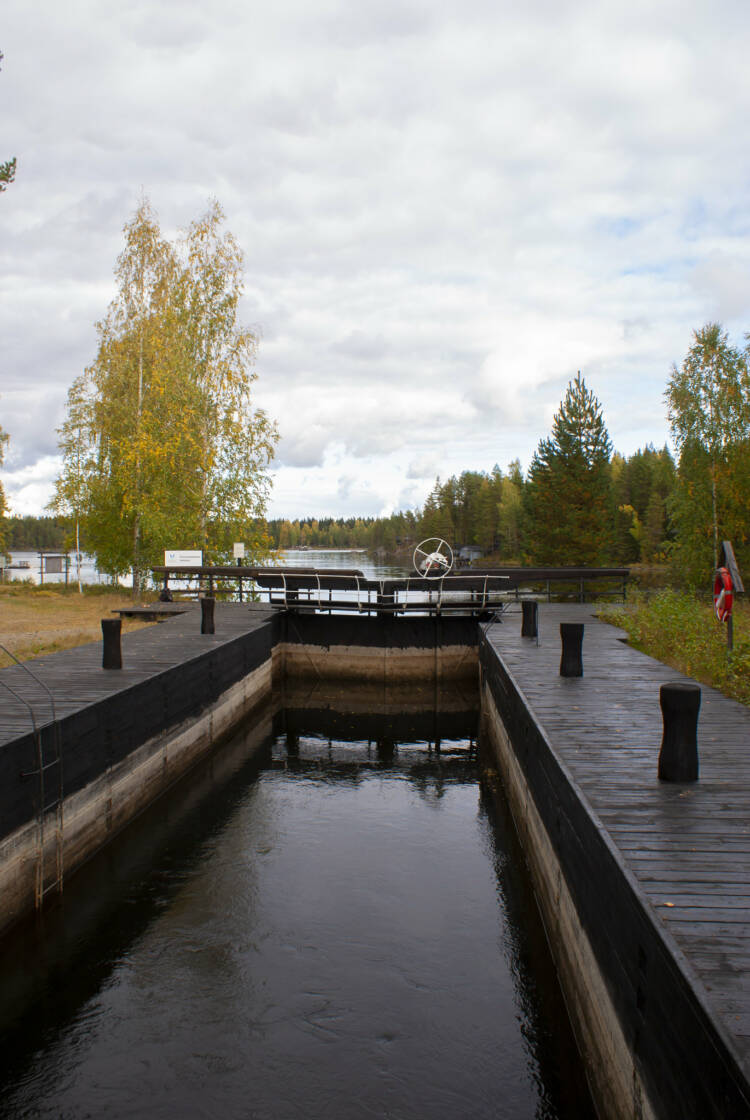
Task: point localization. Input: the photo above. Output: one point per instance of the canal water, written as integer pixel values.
(329, 918)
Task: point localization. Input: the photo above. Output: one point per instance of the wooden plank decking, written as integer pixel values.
(687, 845)
(76, 679)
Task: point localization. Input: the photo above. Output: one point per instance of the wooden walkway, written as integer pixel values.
(687, 845)
(76, 679)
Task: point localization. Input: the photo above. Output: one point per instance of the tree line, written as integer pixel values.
(581, 502)
(493, 511)
(162, 447)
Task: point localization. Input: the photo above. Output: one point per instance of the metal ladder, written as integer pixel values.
(50, 794)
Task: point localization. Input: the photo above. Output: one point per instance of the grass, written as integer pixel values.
(681, 630)
(39, 620)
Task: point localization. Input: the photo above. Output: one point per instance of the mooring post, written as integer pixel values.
(207, 615)
(571, 661)
(111, 643)
(678, 758)
(529, 611)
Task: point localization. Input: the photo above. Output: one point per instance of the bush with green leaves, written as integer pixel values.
(681, 630)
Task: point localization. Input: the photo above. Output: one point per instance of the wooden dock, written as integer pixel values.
(686, 845)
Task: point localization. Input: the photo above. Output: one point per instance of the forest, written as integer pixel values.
(579, 502)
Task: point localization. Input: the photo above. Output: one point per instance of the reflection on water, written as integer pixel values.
(340, 928)
(356, 558)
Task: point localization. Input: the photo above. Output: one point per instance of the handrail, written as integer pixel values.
(470, 589)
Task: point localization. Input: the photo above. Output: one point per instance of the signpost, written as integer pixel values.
(238, 551)
(53, 564)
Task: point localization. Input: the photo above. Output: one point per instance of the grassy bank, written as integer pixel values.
(38, 620)
(681, 630)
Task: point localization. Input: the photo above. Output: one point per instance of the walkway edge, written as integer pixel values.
(649, 1041)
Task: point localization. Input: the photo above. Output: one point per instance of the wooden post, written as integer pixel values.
(571, 661)
(111, 643)
(207, 615)
(678, 758)
(529, 611)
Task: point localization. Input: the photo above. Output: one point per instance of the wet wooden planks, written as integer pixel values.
(76, 679)
(687, 845)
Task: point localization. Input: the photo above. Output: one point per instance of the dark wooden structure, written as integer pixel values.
(476, 590)
(660, 871)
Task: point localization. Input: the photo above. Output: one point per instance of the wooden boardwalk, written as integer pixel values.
(687, 845)
(76, 679)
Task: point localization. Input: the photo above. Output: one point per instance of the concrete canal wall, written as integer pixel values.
(650, 1044)
(378, 648)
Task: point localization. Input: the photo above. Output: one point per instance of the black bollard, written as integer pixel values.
(678, 757)
(207, 615)
(571, 661)
(111, 647)
(529, 611)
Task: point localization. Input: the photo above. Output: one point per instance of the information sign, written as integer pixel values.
(176, 558)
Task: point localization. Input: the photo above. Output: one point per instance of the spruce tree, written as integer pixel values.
(568, 492)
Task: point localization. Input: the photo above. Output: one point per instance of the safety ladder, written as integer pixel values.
(49, 772)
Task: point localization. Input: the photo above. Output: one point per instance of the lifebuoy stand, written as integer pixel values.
(723, 594)
(727, 580)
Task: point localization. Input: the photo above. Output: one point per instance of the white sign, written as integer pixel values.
(238, 551)
(174, 558)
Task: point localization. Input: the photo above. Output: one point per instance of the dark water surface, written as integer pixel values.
(345, 930)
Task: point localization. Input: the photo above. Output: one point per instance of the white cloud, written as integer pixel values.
(446, 211)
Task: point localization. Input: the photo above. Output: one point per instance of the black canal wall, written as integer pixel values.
(650, 1045)
(180, 694)
(120, 751)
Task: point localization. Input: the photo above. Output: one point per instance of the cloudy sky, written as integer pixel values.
(446, 210)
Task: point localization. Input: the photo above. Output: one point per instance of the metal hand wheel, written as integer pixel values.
(433, 558)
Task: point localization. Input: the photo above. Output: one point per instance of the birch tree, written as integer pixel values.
(8, 168)
(75, 443)
(162, 426)
(708, 401)
(3, 505)
(235, 441)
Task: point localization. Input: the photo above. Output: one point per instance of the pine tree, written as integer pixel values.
(568, 491)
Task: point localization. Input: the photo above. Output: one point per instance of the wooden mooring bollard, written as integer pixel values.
(571, 660)
(207, 615)
(111, 643)
(529, 618)
(678, 758)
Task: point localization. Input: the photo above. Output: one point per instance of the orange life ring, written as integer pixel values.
(723, 594)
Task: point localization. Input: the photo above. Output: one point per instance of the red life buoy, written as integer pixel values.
(723, 594)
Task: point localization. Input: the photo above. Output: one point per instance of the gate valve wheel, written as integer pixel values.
(433, 558)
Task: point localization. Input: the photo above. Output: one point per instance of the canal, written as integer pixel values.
(330, 917)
